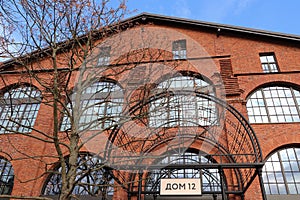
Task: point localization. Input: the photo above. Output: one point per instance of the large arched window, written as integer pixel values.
(6, 177)
(101, 106)
(281, 172)
(210, 177)
(274, 105)
(19, 108)
(92, 176)
(183, 109)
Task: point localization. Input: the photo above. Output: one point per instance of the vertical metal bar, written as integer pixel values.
(262, 187)
(224, 197)
(215, 196)
(140, 186)
(129, 191)
(243, 196)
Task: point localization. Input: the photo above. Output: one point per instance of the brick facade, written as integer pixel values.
(235, 54)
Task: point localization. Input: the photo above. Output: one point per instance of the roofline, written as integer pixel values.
(238, 29)
(148, 17)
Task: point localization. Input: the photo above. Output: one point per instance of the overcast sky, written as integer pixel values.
(272, 15)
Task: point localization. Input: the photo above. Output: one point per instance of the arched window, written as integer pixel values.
(19, 109)
(183, 109)
(273, 105)
(210, 177)
(101, 106)
(6, 177)
(93, 178)
(281, 174)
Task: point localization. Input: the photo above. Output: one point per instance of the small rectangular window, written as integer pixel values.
(179, 49)
(104, 56)
(268, 63)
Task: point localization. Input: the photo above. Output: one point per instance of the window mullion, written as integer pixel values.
(266, 106)
(283, 174)
(295, 101)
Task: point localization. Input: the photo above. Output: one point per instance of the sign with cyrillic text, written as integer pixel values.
(181, 186)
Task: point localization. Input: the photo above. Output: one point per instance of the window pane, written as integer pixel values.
(101, 106)
(273, 189)
(292, 189)
(20, 110)
(282, 189)
(268, 63)
(279, 177)
(278, 103)
(89, 184)
(263, 59)
(179, 49)
(6, 177)
(287, 176)
(181, 109)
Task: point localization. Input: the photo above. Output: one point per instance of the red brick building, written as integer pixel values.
(204, 102)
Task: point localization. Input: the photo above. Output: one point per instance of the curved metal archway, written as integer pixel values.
(230, 141)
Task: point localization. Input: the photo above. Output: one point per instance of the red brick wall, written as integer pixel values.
(243, 53)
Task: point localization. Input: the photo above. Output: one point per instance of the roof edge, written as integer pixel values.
(146, 17)
(239, 29)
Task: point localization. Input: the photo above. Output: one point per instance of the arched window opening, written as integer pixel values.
(281, 172)
(19, 109)
(92, 176)
(210, 177)
(274, 105)
(183, 109)
(6, 177)
(100, 107)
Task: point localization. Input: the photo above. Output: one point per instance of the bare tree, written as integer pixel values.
(47, 43)
(71, 51)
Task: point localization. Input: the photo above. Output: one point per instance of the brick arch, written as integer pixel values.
(88, 161)
(102, 78)
(188, 73)
(284, 96)
(281, 146)
(16, 85)
(270, 84)
(5, 156)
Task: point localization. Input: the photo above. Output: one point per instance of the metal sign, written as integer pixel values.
(181, 186)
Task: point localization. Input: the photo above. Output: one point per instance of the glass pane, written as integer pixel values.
(183, 110)
(279, 177)
(286, 166)
(282, 189)
(287, 176)
(267, 189)
(89, 182)
(270, 58)
(271, 177)
(273, 189)
(101, 106)
(280, 105)
(292, 189)
(276, 166)
(283, 155)
(6, 177)
(297, 176)
(263, 59)
(21, 109)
